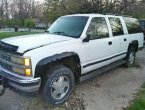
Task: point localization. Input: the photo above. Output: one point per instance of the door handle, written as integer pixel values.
(110, 43)
(125, 39)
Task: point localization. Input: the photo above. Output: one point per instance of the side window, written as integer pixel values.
(116, 26)
(98, 28)
(142, 24)
(132, 25)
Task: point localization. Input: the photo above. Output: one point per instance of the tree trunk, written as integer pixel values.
(125, 3)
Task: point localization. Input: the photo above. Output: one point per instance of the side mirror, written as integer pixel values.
(47, 31)
(87, 39)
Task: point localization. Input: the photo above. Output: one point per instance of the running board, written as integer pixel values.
(101, 70)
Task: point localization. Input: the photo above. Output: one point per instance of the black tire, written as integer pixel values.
(2, 90)
(58, 76)
(131, 55)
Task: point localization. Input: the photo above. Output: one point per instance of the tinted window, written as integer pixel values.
(132, 25)
(142, 24)
(116, 26)
(98, 28)
(72, 26)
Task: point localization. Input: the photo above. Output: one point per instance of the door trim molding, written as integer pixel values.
(100, 61)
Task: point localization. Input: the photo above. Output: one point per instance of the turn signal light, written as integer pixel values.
(28, 72)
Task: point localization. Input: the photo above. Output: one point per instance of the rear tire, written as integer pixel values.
(131, 55)
(2, 89)
(58, 85)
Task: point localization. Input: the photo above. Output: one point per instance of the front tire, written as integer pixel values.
(131, 55)
(59, 85)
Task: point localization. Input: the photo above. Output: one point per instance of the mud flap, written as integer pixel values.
(2, 91)
(4, 84)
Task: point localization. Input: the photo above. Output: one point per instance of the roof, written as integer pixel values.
(93, 14)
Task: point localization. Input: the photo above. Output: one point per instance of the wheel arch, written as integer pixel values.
(68, 59)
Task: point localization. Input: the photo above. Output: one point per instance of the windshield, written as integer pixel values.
(72, 26)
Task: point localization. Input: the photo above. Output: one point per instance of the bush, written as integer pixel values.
(17, 22)
(29, 23)
(11, 22)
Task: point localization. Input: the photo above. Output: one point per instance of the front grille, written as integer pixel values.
(4, 58)
(5, 66)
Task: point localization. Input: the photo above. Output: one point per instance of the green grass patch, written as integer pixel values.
(139, 102)
(12, 34)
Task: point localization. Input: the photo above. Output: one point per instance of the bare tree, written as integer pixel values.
(51, 9)
(1, 9)
(6, 9)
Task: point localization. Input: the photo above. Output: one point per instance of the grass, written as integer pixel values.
(12, 34)
(139, 102)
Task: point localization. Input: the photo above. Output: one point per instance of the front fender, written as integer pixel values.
(41, 66)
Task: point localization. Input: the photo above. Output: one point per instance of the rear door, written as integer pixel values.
(133, 32)
(118, 39)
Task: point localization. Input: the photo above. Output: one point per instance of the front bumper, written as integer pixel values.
(25, 85)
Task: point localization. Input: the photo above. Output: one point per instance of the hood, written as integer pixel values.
(33, 41)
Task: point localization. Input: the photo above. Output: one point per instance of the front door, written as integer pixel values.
(99, 49)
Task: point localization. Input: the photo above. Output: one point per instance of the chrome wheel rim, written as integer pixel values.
(131, 58)
(60, 87)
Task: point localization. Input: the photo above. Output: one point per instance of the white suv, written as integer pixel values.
(75, 48)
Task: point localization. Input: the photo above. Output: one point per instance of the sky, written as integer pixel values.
(40, 0)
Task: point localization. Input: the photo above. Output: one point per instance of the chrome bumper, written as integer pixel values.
(25, 85)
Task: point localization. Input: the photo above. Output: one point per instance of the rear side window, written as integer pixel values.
(116, 26)
(132, 25)
(142, 24)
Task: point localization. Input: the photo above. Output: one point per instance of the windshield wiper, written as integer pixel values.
(60, 33)
(47, 31)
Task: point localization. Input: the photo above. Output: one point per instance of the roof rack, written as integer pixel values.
(116, 14)
(127, 16)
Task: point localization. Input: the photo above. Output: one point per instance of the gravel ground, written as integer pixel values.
(113, 90)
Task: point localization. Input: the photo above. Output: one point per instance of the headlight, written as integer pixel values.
(17, 60)
(18, 70)
(23, 65)
(25, 72)
(21, 61)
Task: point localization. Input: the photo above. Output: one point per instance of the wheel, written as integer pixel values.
(130, 57)
(58, 85)
(2, 90)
